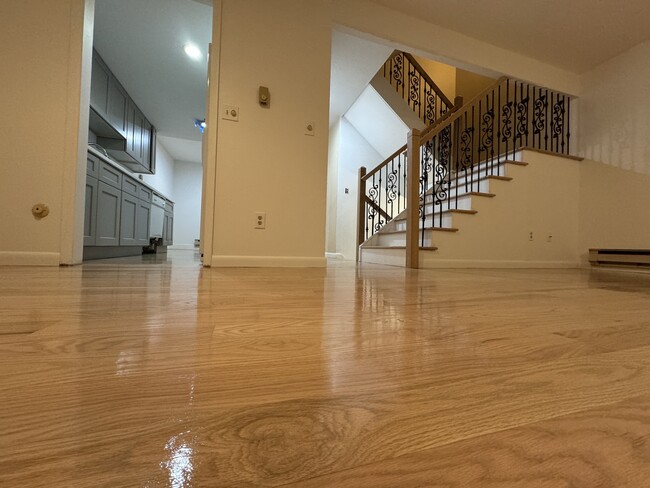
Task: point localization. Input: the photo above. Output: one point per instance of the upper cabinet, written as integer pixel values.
(121, 127)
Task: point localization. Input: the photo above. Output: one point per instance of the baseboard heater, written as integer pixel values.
(620, 257)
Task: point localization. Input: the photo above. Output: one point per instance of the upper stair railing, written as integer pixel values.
(416, 87)
(452, 157)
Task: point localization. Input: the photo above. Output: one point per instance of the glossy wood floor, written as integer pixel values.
(159, 374)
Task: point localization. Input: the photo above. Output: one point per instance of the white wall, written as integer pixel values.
(615, 111)
(187, 210)
(354, 152)
(265, 162)
(42, 153)
(163, 180)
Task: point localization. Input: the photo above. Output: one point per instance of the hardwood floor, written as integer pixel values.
(154, 372)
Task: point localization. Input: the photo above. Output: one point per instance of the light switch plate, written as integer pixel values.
(230, 112)
(309, 129)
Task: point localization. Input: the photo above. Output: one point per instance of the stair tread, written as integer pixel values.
(449, 210)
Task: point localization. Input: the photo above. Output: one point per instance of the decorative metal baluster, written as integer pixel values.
(507, 119)
(479, 148)
(499, 128)
(527, 110)
(568, 125)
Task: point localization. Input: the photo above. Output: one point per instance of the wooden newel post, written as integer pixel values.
(361, 209)
(458, 102)
(413, 199)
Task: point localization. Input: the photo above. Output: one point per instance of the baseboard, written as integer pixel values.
(334, 255)
(267, 262)
(9, 258)
(479, 263)
(182, 247)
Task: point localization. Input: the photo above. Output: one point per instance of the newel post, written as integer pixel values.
(361, 209)
(413, 199)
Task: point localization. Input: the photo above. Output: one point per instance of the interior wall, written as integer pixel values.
(187, 208)
(614, 208)
(334, 149)
(163, 179)
(41, 97)
(614, 118)
(424, 39)
(355, 151)
(469, 84)
(442, 74)
(265, 162)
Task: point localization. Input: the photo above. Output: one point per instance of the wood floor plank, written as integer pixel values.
(604, 447)
(160, 373)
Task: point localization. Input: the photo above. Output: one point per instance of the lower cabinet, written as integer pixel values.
(90, 213)
(129, 220)
(143, 221)
(109, 204)
(117, 217)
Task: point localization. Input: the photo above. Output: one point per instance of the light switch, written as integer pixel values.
(230, 112)
(309, 129)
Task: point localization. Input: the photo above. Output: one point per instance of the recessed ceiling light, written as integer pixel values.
(192, 51)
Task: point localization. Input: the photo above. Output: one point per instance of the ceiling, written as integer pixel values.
(142, 42)
(575, 35)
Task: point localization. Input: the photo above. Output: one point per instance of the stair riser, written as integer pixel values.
(428, 222)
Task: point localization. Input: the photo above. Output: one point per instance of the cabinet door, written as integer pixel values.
(128, 220)
(99, 83)
(92, 166)
(168, 230)
(134, 136)
(143, 221)
(118, 102)
(146, 145)
(109, 201)
(90, 213)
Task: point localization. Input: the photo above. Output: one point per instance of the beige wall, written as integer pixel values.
(614, 111)
(265, 162)
(614, 208)
(442, 74)
(469, 84)
(542, 198)
(40, 147)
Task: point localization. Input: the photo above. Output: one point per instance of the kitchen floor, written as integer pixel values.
(153, 372)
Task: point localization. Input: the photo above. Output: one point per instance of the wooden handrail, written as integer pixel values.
(376, 207)
(434, 129)
(426, 76)
(385, 162)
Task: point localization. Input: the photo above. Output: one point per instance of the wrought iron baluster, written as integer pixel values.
(568, 125)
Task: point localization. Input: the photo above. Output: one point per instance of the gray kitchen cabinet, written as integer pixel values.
(118, 102)
(120, 126)
(90, 214)
(143, 219)
(109, 202)
(128, 220)
(110, 175)
(99, 85)
(92, 165)
(168, 224)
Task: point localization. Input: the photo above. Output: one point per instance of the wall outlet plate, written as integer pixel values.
(260, 220)
(230, 112)
(310, 129)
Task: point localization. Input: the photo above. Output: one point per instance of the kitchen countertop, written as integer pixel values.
(116, 165)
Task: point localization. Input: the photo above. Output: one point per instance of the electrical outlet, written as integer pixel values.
(549, 237)
(260, 220)
(310, 130)
(530, 235)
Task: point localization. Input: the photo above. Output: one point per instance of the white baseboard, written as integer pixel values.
(267, 262)
(183, 247)
(334, 255)
(479, 263)
(9, 258)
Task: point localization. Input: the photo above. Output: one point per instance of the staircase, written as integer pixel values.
(436, 185)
